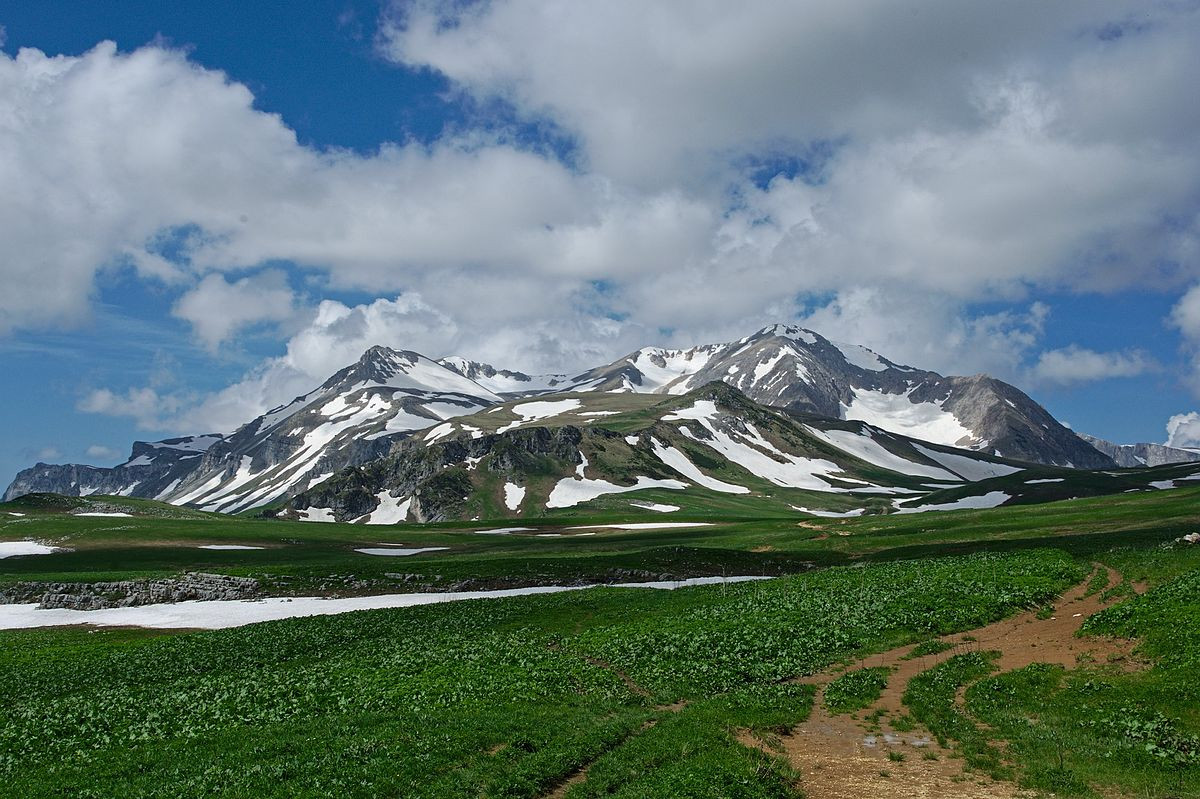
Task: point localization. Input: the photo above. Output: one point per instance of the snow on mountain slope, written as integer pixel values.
(790, 367)
(353, 417)
(713, 444)
(363, 410)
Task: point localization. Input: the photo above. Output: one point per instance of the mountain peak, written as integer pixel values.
(783, 330)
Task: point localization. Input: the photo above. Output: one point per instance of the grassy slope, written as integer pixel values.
(305, 554)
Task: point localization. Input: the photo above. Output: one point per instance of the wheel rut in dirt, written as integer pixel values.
(846, 757)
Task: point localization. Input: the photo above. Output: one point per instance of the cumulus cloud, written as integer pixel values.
(101, 452)
(217, 308)
(932, 158)
(1075, 364)
(1183, 430)
(47, 454)
(149, 408)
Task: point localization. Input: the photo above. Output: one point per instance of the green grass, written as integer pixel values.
(302, 558)
(930, 699)
(495, 697)
(1134, 731)
(855, 690)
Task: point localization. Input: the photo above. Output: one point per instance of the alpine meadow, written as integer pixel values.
(526, 399)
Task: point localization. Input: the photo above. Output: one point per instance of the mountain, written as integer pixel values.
(361, 412)
(1134, 455)
(794, 368)
(351, 418)
(153, 466)
(707, 450)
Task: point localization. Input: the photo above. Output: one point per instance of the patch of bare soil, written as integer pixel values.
(848, 757)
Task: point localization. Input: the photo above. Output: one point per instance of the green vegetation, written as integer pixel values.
(496, 697)
(930, 698)
(641, 692)
(855, 690)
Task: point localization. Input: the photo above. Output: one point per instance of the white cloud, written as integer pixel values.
(1075, 364)
(42, 454)
(973, 156)
(1183, 430)
(218, 309)
(101, 452)
(652, 87)
(148, 407)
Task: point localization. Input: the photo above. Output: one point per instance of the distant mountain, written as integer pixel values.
(1134, 455)
(152, 468)
(360, 413)
(791, 367)
(353, 417)
(699, 451)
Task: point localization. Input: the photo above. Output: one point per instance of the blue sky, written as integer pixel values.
(232, 200)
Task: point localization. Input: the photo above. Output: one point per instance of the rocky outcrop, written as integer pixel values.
(127, 593)
(1136, 455)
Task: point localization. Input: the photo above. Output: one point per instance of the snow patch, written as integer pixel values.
(14, 549)
(972, 469)
(680, 463)
(541, 409)
(866, 448)
(861, 357)
(222, 547)
(504, 531)
(391, 510)
(514, 495)
(222, 614)
(991, 499)
(316, 515)
(655, 506)
(829, 513)
(899, 414)
(398, 552)
(572, 491)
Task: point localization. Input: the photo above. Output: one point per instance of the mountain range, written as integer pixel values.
(369, 411)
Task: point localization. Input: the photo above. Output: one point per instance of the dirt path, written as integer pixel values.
(846, 757)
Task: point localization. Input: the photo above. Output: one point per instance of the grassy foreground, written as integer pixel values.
(487, 698)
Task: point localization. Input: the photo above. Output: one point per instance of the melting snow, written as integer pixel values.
(989, 500)
(504, 531)
(513, 495)
(541, 409)
(896, 412)
(861, 357)
(316, 515)
(391, 510)
(680, 463)
(438, 432)
(571, 491)
(1046, 480)
(227, 546)
(221, 614)
(829, 513)
(100, 513)
(12, 549)
(655, 506)
(968, 468)
(398, 552)
(868, 449)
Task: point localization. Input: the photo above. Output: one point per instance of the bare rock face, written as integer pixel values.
(128, 593)
(1135, 455)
